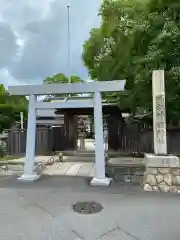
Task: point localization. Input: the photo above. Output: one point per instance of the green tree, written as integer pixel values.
(10, 108)
(61, 78)
(135, 38)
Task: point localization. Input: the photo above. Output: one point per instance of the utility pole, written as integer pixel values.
(69, 44)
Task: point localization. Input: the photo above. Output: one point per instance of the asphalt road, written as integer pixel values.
(43, 210)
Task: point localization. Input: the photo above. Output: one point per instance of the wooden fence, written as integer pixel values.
(47, 141)
(16, 142)
(140, 140)
(128, 139)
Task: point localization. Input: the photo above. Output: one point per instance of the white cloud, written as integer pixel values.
(7, 79)
(33, 37)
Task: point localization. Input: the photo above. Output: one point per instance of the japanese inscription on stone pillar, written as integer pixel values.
(159, 114)
(160, 120)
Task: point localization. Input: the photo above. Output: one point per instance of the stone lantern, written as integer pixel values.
(81, 130)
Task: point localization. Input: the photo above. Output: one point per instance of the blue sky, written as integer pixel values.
(33, 38)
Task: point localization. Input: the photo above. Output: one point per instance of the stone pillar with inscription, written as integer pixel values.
(159, 113)
(162, 170)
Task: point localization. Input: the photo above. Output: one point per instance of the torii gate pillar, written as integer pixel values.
(100, 178)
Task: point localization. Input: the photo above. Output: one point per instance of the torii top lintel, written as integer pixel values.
(89, 87)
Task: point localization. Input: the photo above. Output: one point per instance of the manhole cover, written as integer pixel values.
(87, 207)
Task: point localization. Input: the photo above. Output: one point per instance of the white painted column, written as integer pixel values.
(99, 178)
(29, 174)
(159, 113)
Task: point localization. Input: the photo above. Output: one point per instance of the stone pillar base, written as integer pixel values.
(29, 177)
(100, 182)
(162, 174)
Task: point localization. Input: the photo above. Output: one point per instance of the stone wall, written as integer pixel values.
(162, 179)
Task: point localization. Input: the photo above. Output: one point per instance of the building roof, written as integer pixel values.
(108, 106)
(81, 98)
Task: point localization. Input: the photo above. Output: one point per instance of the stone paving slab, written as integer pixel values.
(74, 169)
(70, 169)
(19, 219)
(63, 168)
(92, 173)
(57, 169)
(58, 232)
(115, 234)
(51, 170)
(92, 228)
(85, 170)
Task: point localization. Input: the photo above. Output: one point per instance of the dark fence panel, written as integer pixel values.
(57, 139)
(173, 140)
(146, 144)
(70, 131)
(43, 143)
(115, 128)
(136, 139)
(48, 140)
(16, 144)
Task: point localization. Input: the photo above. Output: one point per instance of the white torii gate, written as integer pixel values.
(44, 89)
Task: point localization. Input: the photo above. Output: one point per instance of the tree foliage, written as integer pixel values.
(135, 38)
(10, 108)
(61, 78)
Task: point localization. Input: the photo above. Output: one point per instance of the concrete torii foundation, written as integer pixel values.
(93, 87)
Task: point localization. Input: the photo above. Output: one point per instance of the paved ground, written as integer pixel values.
(85, 169)
(71, 169)
(43, 211)
(57, 169)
